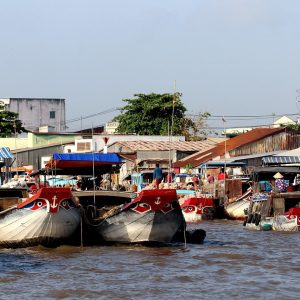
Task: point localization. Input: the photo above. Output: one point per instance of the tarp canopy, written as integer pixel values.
(279, 160)
(5, 153)
(83, 163)
(6, 158)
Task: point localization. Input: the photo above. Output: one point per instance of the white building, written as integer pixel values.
(283, 121)
(35, 113)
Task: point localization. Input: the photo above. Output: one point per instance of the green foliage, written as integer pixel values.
(152, 115)
(188, 168)
(294, 126)
(9, 124)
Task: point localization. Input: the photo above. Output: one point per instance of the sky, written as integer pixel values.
(237, 58)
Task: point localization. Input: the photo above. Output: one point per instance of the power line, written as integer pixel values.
(93, 115)
(241, 117)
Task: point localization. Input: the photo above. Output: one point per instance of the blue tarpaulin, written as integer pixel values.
(112, 158)
(83, 163)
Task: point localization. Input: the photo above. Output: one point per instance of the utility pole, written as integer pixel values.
(225, 150)
(15, 128)
(297, 103)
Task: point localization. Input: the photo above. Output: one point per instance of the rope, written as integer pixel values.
(184, 234)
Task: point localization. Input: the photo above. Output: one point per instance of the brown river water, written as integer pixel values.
(232, 263)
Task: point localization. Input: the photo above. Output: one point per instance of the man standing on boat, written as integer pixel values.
(157, 175)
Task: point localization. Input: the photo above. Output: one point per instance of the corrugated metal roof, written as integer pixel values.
(131, 157)
(231, 144)
(165, 146)
(274, 160)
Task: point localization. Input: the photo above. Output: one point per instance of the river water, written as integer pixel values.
(232, 263)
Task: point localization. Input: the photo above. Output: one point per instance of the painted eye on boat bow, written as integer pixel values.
(38, 204)
(142, 207)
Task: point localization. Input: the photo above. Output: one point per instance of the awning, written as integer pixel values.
(65, 160)
(5, 153)
(221, 163)
(275, 169)
(277, 160)
(83, 164)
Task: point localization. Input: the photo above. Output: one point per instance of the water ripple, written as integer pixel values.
(232, 263)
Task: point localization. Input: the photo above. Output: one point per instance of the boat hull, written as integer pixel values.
(196, 209)
(131, 227)
(154, 216)
(22, 228)
(285, 223)
(40, 220)
(236, 210)
(192, 217)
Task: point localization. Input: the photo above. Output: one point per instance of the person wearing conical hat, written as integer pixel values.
(280, 184)
(278, 176)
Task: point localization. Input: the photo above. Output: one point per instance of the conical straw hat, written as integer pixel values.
(278, 175)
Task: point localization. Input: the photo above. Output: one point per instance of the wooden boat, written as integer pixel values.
(150, 217)
(48, 218)
(274, 211)
(153, 217)
(275, 203)
(196, 209)
(237, 209)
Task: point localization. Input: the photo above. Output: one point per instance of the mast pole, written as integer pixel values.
(171, 129)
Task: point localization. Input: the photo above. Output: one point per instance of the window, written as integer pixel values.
(84, 146)
(52, 114)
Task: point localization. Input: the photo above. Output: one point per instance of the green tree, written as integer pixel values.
(188, 168)
(9, 124)
(293, 126)
(154, 114)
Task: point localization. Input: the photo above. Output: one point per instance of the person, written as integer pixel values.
(280, 184)
(169, 177)
(157, 175)
(210, 178)
(222, 175)
(195, 180)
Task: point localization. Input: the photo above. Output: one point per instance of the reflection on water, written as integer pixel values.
(232, 263)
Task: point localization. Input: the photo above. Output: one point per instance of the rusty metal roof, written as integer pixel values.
(231, 144)
(131, 157)
(165, 146)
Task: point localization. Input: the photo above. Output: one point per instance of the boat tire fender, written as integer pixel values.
(249, 218)
(254, 218)
(257, 220)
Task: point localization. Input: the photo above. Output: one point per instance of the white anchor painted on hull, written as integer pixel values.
(157, 201)
(54, 205)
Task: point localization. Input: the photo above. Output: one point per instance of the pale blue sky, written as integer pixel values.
(228, 57)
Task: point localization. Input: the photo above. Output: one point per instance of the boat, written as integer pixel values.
(153, 217)
(48, 218)
(237, 208)
(196, 209)
(149, 216)
(275, 203)
(274, 211)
